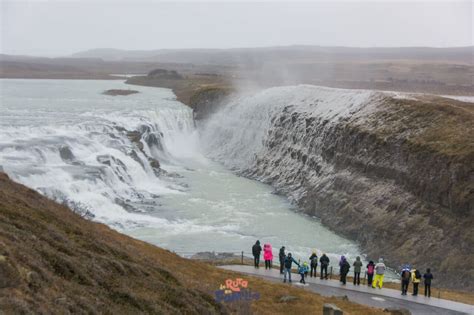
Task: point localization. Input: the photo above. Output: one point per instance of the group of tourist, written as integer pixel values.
(375, 272)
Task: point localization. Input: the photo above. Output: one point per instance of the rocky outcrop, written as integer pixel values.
(145, 134)
(119, 92)
(396, 175)
(207, 100)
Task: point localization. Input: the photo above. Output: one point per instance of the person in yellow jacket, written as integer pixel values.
(379, 274)
(415, 279)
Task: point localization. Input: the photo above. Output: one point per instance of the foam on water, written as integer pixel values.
(100, 171)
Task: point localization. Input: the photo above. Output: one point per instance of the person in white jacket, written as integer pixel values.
(379, 274)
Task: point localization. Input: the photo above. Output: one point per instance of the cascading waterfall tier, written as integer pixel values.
(242, 130)
(96, 154)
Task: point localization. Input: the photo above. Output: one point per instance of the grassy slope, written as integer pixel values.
(441, 124)
(184, 89)
(52, 260)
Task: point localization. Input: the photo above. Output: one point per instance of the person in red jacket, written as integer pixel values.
(267, 255)
(370, 272)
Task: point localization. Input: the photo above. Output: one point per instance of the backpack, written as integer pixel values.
(370, 269)
(406, 275)
(345, 267)
(314, 261)
(324, 260)
(417, 274)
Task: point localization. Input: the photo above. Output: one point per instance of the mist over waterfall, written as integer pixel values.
(243, 130)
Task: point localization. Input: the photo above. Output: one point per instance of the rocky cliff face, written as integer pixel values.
(394, 174)
(207, 100)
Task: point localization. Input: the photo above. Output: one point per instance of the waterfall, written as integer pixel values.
(103, 162)
(239, 133)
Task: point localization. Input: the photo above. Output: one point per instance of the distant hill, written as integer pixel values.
(409, 69)
(293, 53)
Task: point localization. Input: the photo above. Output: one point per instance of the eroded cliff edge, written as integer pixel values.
(395, 174)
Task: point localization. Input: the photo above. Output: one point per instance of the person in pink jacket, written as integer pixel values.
(267, 255)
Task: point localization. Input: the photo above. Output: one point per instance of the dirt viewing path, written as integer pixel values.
(380, 298)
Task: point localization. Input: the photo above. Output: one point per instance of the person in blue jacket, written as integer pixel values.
(303, 270)
(289, 260)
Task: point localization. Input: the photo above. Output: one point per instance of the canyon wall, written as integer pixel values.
(393, 172)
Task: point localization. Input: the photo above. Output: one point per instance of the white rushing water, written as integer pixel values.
(236, 134)
(73, 144)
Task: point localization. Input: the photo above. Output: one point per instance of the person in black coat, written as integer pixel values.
(313, 262)
(282, 256)
(405, 279)
(324, 260)
(428, 276)
(289, 260)
(256, 250)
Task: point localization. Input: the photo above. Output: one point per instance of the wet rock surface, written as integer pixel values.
(66, 154)
(145, 136)
(208, 100)
(119, 92)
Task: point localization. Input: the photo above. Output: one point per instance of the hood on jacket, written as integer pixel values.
(358, 258)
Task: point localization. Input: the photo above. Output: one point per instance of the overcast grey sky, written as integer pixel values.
(42, 27)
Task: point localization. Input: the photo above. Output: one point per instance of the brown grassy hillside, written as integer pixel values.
(54, 262)
(186, 88)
